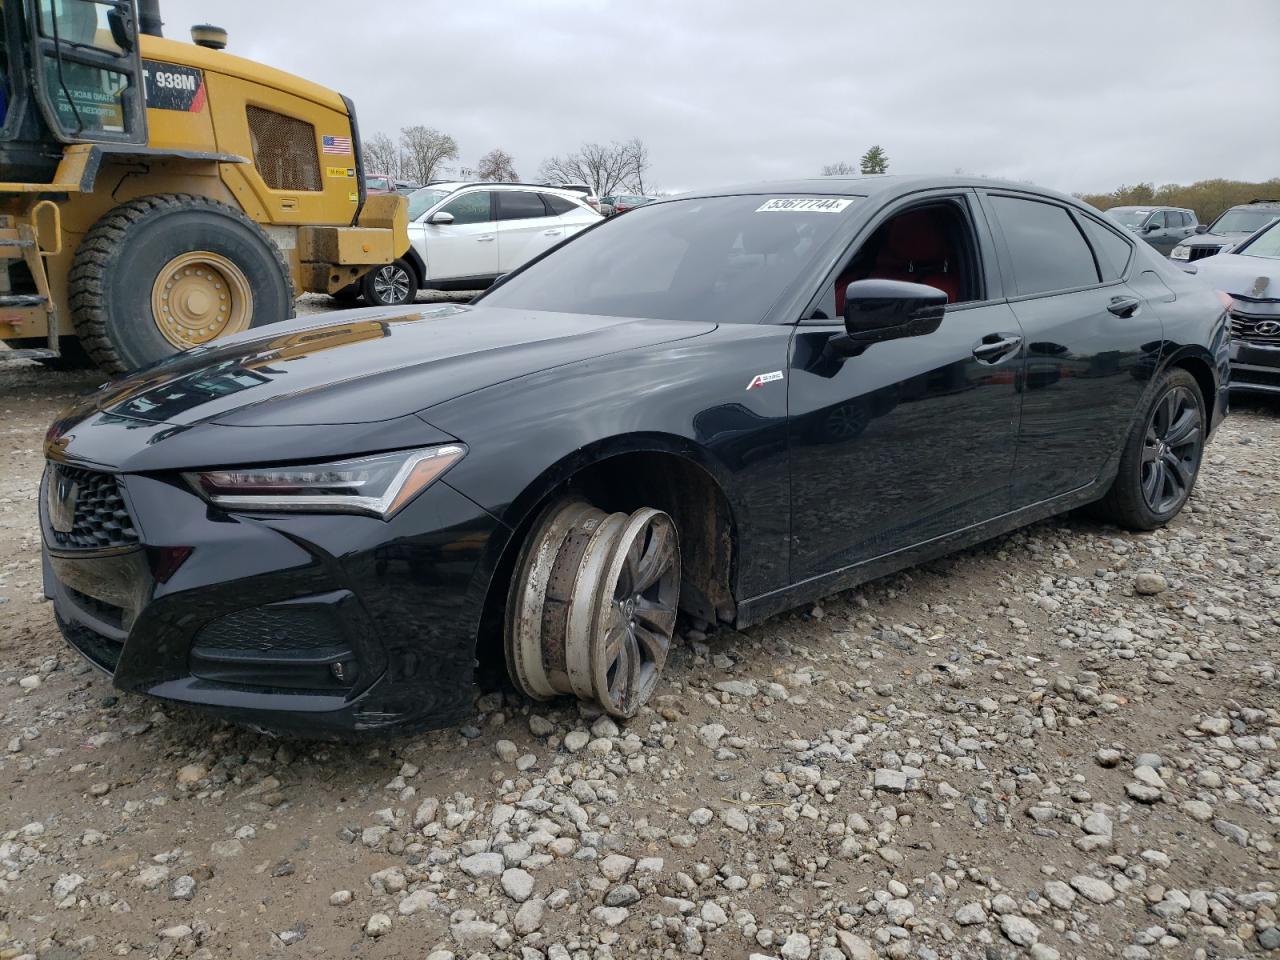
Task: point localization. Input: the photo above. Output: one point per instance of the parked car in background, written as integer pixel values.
(1250, 274)
(464, 235)
(727, 404)
(1162, 227)
(622, 202)
(381, 183)
(1230, 228)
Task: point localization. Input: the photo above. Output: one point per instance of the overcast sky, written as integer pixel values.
(1080, 95)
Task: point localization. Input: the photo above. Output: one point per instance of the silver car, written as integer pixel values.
(1250, 275)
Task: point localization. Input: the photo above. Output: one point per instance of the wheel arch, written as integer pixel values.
(624, 473)
(414, 259)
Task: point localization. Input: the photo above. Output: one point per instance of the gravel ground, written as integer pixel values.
(1062, 744)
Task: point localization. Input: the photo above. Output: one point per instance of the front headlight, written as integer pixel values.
(377, 485)
(1181, 252)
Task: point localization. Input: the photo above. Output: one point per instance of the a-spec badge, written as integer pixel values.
(760, 379)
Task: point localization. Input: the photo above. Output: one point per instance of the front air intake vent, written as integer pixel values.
(284, 150)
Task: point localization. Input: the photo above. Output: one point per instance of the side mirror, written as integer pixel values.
(877, 310)
(1202, 228)
(441, 218)
(1150, 228)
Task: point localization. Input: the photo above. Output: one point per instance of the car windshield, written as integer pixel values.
(715, 258)
(1128, 218)
(1266, 244)
(1243, 221)
(420, 201)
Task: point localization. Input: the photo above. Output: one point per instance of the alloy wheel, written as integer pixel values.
(391, 285)
(1171, 450)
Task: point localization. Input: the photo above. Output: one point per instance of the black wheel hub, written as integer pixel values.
(1171, 450)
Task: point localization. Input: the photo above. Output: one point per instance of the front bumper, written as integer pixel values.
(1255, 367)
(309, 625)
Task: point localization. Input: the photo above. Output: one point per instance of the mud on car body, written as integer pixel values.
(725, 404)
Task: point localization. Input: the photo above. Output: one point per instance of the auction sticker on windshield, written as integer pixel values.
(804, 205)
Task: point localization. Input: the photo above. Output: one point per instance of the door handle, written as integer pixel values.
(1124, 306)
(551, 233)
(995, 347)
(485, 239)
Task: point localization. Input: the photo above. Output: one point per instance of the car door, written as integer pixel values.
(1090, 316)
(570, 216)
(525, 227)
(467, 248)
(1157, 233)
(910, 439)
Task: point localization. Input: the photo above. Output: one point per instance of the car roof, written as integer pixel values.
(879, 185)
(1150, 206)
(452, 185)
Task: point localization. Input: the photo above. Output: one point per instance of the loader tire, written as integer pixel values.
(168, 272)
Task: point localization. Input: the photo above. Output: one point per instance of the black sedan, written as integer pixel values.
(723, 404)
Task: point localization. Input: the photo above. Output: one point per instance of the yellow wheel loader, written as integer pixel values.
(157, 195)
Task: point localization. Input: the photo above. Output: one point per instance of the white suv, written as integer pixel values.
(463, 236)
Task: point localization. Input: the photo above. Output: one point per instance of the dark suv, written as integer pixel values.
(1229, 229)
(1162, 227)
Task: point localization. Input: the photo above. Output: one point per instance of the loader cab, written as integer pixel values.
(70, 72)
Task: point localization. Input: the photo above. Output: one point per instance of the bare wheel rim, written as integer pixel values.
(636, 618)
(592, 606)
(1171, 450)
(198, 297)
(526, 656)
(391, 284)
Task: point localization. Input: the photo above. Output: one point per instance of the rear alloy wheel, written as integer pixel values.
(1161, 458)
(391, 285)
(592, 608)
(1171, 450)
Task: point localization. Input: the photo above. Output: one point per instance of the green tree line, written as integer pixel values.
(1207, 198)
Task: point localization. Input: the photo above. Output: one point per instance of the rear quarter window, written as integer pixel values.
(1046, 249)
(1113, 250)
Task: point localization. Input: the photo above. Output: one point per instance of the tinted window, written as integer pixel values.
(559, 204)
(715, 259)
(1157, 220)
(1113, 250)
(469, 208)
(1183, 219)
(1045, 247)
(519, 205)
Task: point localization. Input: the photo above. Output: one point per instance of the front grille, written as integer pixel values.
(100, 518)
(1246, 328)
(1199, 253)
(284, 150)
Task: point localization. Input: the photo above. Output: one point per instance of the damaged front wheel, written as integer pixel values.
(592, 607)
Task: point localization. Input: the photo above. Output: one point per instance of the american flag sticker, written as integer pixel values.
(336, 145)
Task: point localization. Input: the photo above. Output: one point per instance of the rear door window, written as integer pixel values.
(519, 205)
(1046, 249)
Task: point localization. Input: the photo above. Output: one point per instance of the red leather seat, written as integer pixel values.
(915, 249)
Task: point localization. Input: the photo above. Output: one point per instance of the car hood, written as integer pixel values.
(1254, 278)
(361, 366)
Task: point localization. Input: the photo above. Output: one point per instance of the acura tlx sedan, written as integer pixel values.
(725, 404)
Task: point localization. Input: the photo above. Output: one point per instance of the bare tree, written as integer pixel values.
(497, 165)
(424, 152)
(838, 169)
(381, 155)
(606, 168)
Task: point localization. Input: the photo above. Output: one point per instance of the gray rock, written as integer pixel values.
(517, 884)
(1099, 891)
(1019, 929)
(970, 915)
(482, 866)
